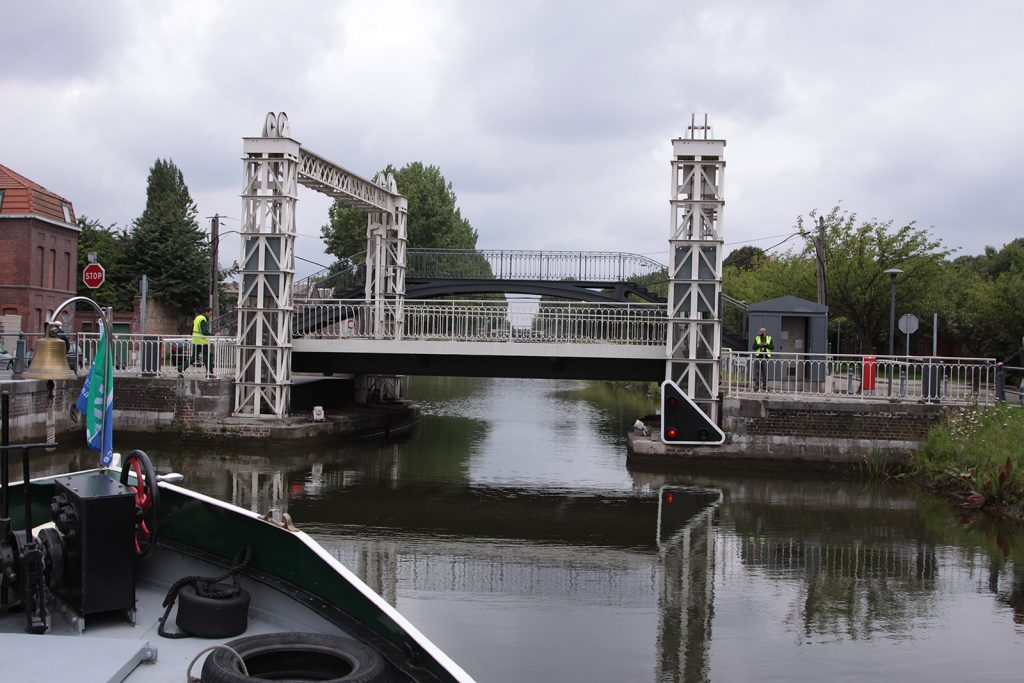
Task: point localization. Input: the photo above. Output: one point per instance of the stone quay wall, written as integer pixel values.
(773, 431)
(191, 407)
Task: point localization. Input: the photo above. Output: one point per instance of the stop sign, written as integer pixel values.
(93, 275)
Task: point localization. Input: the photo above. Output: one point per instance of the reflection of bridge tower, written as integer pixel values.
(685, 604)
(695, 265)
(275, 164)
(258, 488)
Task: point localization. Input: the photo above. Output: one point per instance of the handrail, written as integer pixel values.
(491, 264)
(149, 355)
(931, 379)
(493, 321)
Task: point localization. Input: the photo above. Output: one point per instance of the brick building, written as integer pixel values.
(38, 251)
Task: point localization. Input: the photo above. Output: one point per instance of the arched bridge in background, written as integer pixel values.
(432, 273)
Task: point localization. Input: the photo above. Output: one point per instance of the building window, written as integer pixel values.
(67, 271)
(1, 200)
(53, 269)
(42, 264)
(67, 211)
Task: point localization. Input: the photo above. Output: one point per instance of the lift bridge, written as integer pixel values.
(377, 315)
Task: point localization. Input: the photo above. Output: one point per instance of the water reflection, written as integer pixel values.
(508, 529)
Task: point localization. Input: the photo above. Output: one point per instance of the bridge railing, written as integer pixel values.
(493, 321)
(487, 264)
(513, 264)
(915, 378)
(147, 355)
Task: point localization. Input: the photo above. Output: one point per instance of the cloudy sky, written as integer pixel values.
(552, 120)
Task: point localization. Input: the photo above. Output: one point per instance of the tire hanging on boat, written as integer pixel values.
(295, 656)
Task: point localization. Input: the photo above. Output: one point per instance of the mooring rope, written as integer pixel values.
(204, 587)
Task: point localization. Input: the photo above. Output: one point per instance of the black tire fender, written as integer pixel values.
(295, 656)
(206, 617)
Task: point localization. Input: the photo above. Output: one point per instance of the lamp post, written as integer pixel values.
(893, 272)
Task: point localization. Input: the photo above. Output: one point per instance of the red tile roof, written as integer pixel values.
(22, 197)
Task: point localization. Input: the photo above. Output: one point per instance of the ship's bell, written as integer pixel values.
(50, 360)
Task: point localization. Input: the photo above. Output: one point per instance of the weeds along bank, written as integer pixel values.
(976, 455)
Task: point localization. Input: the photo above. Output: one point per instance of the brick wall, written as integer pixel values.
(831, 431)
(38, 268)
(144, 405)
(887, 422)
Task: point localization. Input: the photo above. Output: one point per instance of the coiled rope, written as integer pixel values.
(204, 586)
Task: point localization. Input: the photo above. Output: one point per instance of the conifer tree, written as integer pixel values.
(167, 244)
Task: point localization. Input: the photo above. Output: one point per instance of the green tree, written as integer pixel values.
(983, 300)
(744, 258)
(856, 258)
(167, 245)
(109, 244)
(433, 221)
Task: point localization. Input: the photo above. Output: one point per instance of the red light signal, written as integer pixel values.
(683, 422)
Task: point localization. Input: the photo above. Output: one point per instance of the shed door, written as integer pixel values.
(793, 335)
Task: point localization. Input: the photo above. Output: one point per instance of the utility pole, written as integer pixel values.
(214, 269)
(819, 252)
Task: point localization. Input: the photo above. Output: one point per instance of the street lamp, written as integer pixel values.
(893, 272)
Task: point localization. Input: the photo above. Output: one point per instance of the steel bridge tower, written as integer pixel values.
(695, 265)
(274, 166)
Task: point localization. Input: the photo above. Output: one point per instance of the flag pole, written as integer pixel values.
(105, 317)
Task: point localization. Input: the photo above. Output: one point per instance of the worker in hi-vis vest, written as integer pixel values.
(762, 352)
(201, 340)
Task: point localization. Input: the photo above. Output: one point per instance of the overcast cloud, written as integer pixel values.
(552, 120)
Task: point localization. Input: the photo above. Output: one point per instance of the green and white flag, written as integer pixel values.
(96, 402)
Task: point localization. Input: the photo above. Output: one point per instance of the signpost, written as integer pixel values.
(908, 326)
(93, 275)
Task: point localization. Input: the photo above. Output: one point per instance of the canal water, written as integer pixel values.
(509, 529)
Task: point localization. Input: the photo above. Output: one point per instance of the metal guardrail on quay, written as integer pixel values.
(145, 355)
(857, 377)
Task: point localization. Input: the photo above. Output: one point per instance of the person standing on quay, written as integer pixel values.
(762, 353)
(201, 340)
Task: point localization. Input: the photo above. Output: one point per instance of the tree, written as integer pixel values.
(109, 244)
(744, 258)
(433, 221)
(983, 300)
(167, 245)
(856, 258)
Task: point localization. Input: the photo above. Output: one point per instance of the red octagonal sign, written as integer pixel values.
(93, 275)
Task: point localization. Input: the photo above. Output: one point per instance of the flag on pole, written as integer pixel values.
(96, 402)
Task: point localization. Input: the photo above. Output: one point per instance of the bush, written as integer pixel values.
(976, 451)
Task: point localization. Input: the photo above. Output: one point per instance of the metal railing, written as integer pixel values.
(489, 264)
(492, 321)
(910, 378)
(505, 264)
(138, 355)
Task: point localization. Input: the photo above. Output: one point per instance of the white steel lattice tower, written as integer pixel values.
(275, 165)
(269, 194)
(695, 265)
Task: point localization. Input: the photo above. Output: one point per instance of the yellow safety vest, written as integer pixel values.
(762, 346)
(197, 336)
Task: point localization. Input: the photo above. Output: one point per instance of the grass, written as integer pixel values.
(977, 454)
(876, 463)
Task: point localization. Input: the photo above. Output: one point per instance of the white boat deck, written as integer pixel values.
(112, 649)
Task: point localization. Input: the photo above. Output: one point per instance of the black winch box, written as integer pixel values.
(96, 517)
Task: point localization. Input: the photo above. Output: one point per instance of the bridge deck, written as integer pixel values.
(480, 359)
